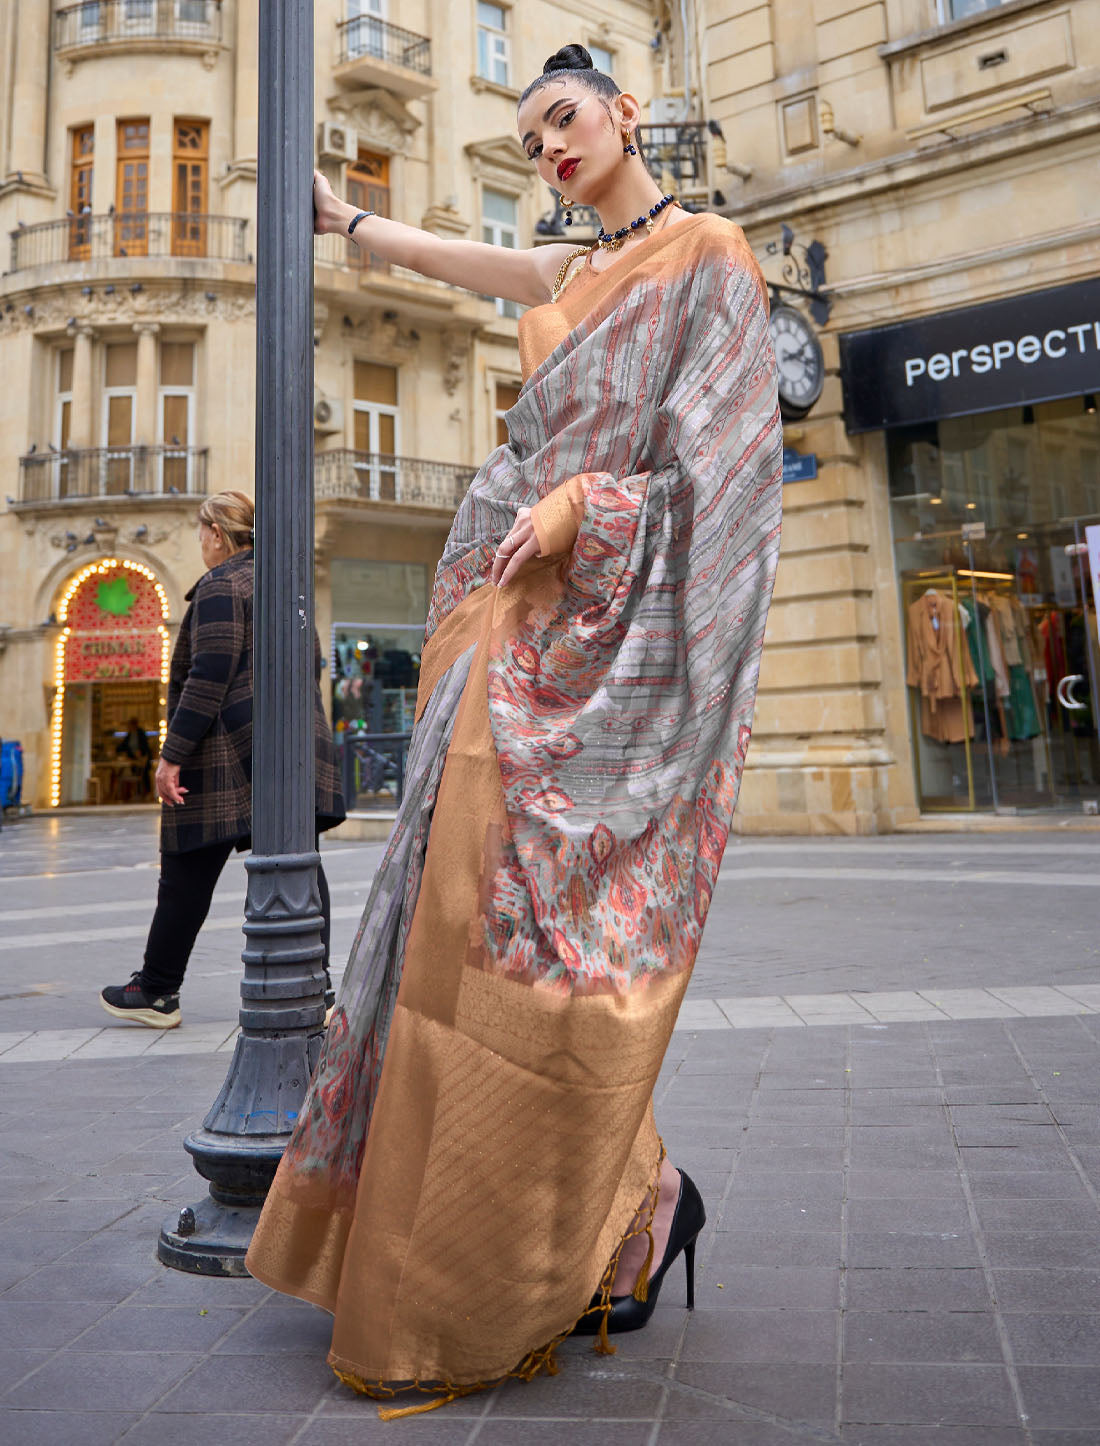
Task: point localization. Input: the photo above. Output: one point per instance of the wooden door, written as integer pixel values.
(80, 192)
(368, 189)
(132, 189)
(190, 162)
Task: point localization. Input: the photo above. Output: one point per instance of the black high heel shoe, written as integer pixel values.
(627, 1313)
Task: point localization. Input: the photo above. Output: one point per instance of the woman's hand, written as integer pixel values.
(328, 210)
(166, 784)
(520, 546)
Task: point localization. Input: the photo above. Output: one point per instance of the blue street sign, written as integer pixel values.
(798, 467)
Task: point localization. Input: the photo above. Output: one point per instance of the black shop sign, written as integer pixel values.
(1038, 347)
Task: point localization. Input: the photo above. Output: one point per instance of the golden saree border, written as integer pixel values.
(513, 1136)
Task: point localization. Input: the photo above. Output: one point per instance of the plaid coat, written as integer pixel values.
(210, 717)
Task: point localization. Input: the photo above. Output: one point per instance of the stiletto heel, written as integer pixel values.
(627, 1313)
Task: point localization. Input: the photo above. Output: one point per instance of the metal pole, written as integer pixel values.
(282, 994)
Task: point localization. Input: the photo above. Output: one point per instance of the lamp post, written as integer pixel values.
(282, 994)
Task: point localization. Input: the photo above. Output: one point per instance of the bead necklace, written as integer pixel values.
(608, 242)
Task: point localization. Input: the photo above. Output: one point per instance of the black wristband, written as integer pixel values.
(359, 216)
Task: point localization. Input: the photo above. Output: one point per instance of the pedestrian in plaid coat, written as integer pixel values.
(204, 776)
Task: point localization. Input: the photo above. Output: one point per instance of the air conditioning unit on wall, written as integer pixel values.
(336, 142)
(328, 414)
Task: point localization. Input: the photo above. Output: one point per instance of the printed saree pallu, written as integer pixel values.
(479, 1136)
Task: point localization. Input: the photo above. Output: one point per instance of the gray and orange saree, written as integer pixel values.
(478, 1137)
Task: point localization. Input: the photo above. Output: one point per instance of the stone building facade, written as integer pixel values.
(946, 156)
(128, 141)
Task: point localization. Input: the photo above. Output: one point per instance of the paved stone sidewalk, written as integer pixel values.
(886, 1083)
(903, 1248)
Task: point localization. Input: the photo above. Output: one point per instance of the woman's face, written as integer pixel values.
(211, 544)
(574, 143)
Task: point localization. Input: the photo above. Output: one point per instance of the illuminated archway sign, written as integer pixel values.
(113, 615)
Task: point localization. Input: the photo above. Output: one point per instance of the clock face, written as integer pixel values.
(798, 359)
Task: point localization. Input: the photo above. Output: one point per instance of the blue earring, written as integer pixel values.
(568, 212)
(628, 150)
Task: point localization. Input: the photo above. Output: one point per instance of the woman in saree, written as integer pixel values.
(476, 1171)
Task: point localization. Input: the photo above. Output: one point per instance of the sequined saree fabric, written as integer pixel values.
(479, 1134)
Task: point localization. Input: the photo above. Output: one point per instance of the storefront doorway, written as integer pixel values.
(111, 675)
(1002, 656)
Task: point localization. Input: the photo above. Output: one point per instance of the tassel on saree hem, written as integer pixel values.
(603, 1345)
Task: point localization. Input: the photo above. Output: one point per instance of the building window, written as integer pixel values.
(367, 187)
(365, 31)
(602, 59)
(500, 227)
(132, 189)
(63, 417)
(376, 429)
(493, 44)
(80, 191)
(960, 9)
(190, 172)
(505, 398)
(119, 415)
(175, 414)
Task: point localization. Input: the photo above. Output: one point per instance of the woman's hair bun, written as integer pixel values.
(569, 57)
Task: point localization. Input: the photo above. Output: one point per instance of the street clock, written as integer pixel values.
(799, 361)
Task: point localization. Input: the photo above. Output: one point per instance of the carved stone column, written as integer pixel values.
(30, 73)
(145, 422)
(82, 428)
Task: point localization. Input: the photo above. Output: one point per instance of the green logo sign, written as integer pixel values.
(115, 597)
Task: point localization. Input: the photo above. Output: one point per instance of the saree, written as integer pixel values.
(479, 1136)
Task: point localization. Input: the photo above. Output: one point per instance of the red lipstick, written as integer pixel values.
(567, 167)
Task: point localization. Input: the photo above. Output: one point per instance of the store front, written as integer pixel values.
(379, 611)
(993, 447)
(110, 677)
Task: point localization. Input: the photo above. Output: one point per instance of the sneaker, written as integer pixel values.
(130, 1001)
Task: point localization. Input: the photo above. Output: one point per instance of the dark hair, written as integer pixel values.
(578, 60)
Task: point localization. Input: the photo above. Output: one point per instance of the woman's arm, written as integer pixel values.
(523, 276)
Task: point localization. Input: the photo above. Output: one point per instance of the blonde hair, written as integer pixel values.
(234, 515)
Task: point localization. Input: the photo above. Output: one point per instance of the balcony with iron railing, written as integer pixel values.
(345, 475)
(372, 52)
(81, 474)
(131, 234)
(136, 25)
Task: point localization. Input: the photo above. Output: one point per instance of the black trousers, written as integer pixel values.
(187, 883)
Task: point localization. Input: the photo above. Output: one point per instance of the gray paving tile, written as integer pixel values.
(555, 1433)
(943, 1393)
(938, 1249)
(15, 1363)
(761, 1181)
(30, 1427)
(1062, 1396)
(81, 1215)
(1038, 1215)
(761, 1335)
(130, 1381)
(277, 1326)
(913, 1216)
(159, 1328)
(788, 1393)
(739, 1432)
(802, 1212)
(904, 1184)
(740, 1287)
(200, 1428)
(780, 1248)
(1067, 1248)
(1055, 1340)
(934, 1435)
(1048, 1290)
(916, 1335)
(278, 1383)
(583, 1391)
(1062, 1183)
(917, 1289)
(84, 1282)
(173, 1287)
(47, 1325)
